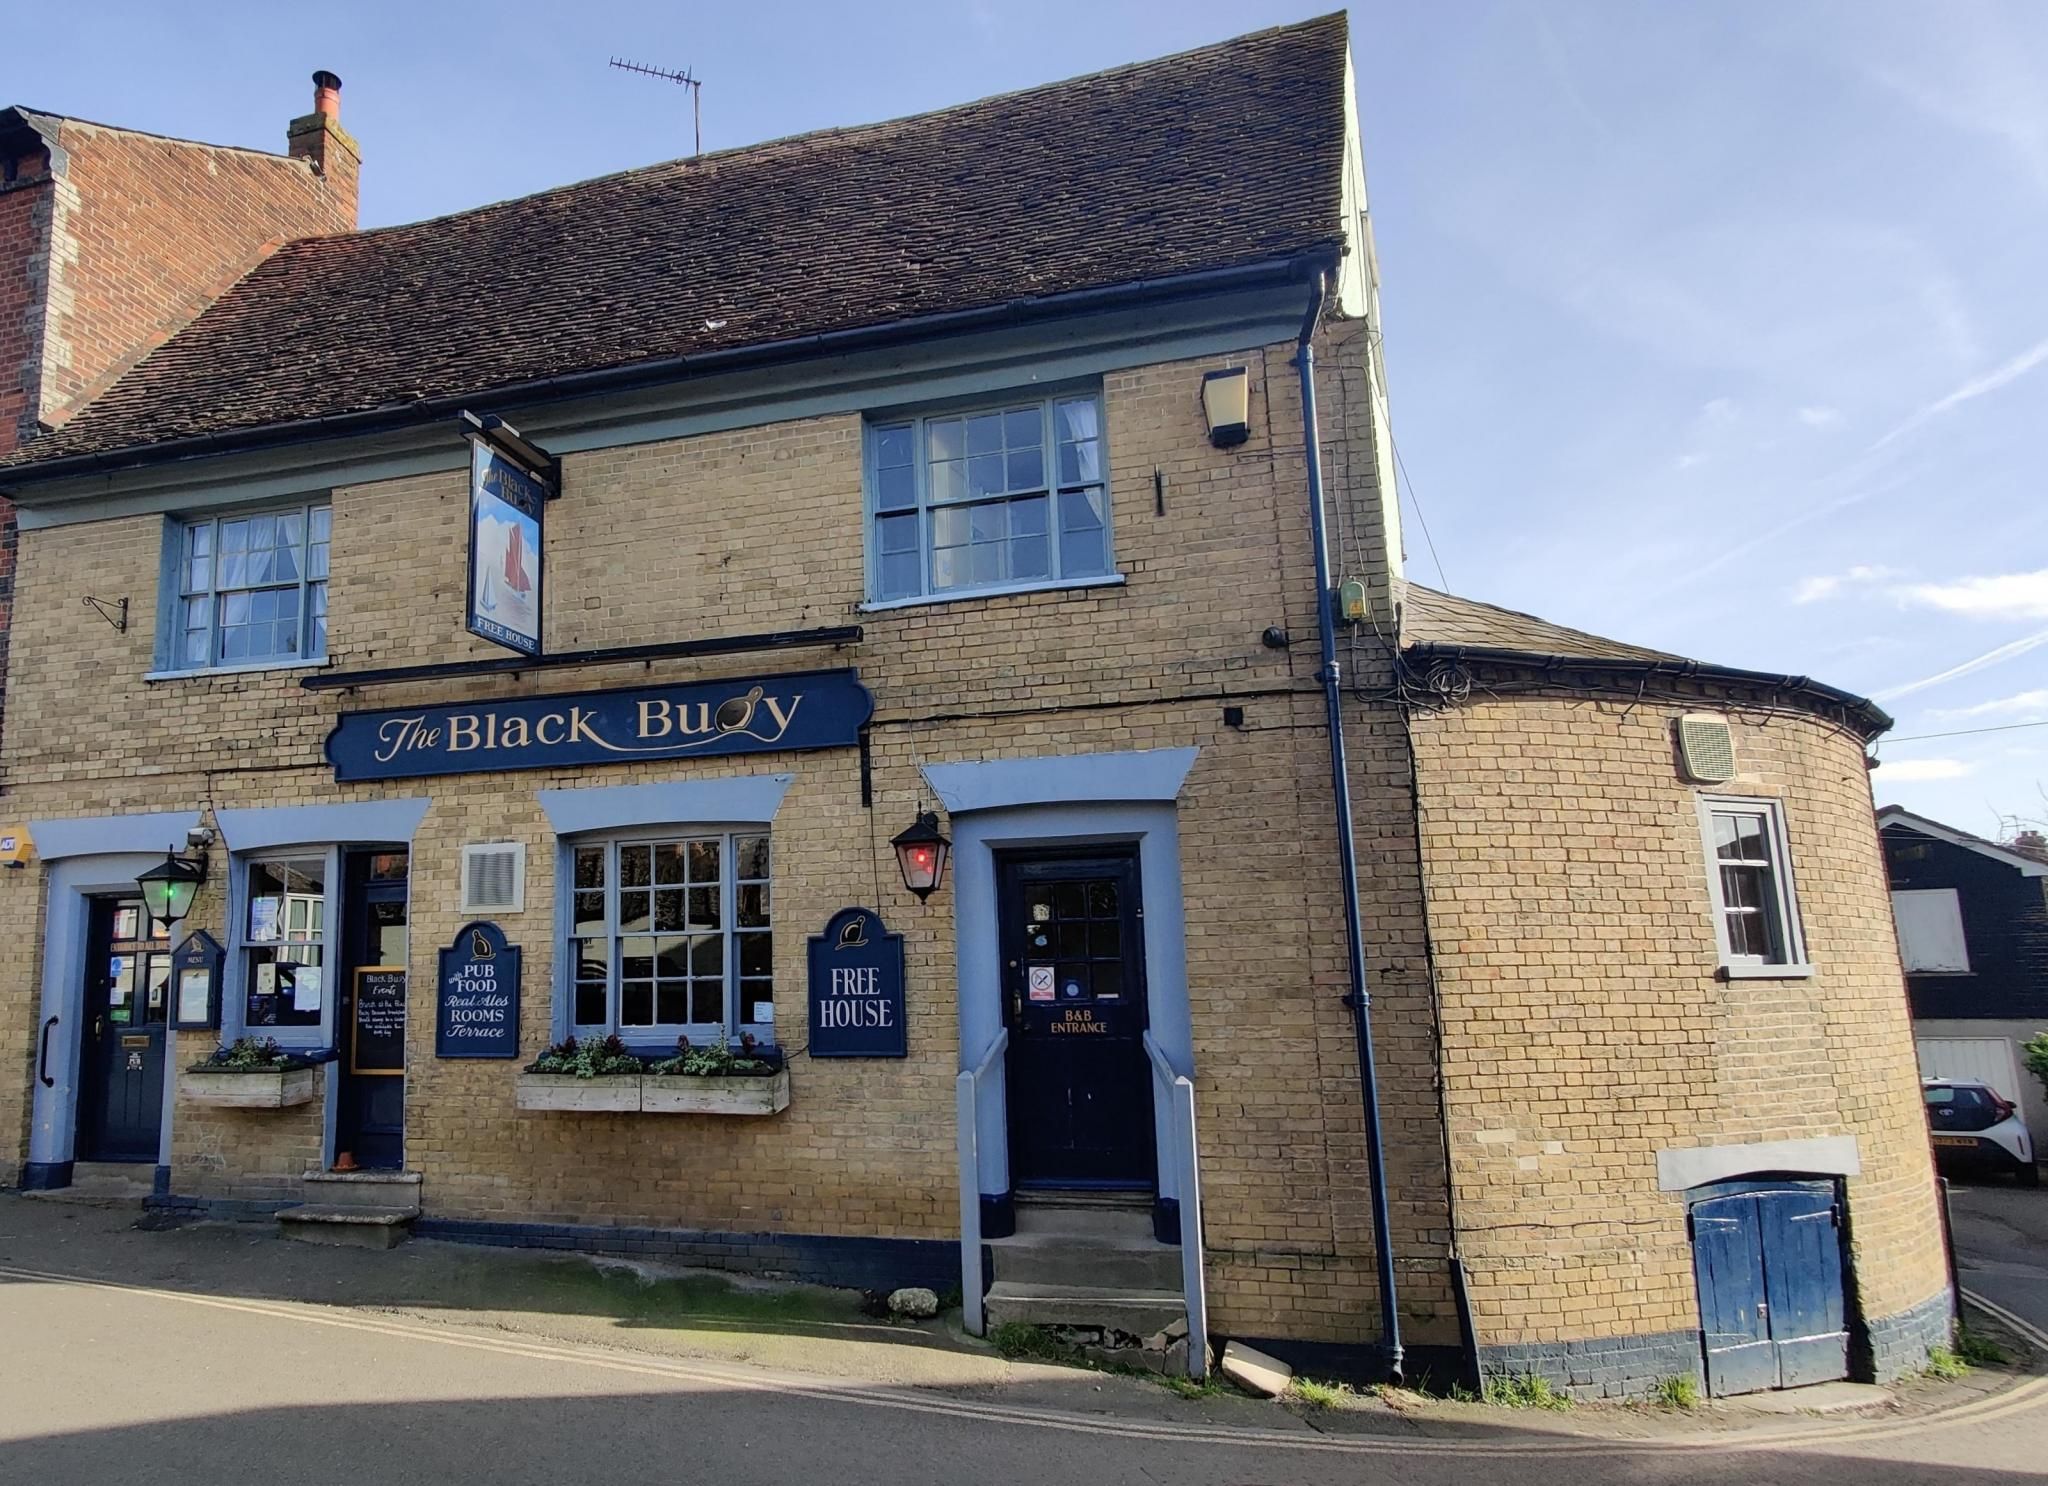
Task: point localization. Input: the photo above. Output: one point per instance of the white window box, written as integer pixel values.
(225, 1088)
(763, 1094)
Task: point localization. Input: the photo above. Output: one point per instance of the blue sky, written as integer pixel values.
(1715, 327)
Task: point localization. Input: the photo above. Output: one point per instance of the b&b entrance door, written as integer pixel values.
(121, 1065)
(1079, 1088)
(370, 1028)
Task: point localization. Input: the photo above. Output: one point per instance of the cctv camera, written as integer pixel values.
(200, 836)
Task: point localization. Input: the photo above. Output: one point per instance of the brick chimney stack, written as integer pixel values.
(318, 138)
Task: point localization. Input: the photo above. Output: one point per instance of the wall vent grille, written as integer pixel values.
(494, 878)
(1706, 746)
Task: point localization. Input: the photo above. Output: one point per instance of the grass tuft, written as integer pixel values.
(1942, 1362)
(1016, 1339)
(1319, 1395)
(1679, 1391)
(1523, 1391)
(1980, 1351)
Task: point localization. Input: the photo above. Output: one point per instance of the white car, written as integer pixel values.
(1975, 1129)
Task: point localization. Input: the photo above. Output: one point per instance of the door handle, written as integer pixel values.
(43, 1056)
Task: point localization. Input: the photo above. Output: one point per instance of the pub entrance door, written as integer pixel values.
(126, 1001)
(1079, 1088)
(370, 1029)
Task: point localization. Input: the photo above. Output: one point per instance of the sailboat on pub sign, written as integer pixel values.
(506, 561)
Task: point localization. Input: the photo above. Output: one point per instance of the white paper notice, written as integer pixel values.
(764, 1013)
(306, 988)
(266, 980)
(263, 920)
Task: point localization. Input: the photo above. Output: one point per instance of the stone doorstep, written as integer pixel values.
(346, 1225)
(370, 1189)
(1137, 1312)
(109, 1182)
(1118, 1266)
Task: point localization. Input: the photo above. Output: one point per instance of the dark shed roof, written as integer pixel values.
(1214, 159)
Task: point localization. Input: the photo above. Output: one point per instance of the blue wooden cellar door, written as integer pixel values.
(1768, 1262)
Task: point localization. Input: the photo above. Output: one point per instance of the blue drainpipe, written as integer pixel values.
(1359, 1001)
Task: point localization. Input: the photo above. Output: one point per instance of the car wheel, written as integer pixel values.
(2028, 1175)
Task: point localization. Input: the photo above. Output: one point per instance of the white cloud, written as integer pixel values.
(1999, 596)
(1999, 376)
(1975, 663)
(1826, 585)
(1820, 418)
(2020, 704)
(1919, 770)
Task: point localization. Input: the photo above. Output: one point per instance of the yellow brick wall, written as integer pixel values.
(759, 529)
(1585, 1027)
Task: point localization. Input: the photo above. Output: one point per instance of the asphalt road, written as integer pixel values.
(181, 1379)
(2002, 1245)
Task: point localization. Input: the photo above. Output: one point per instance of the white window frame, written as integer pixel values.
(1794, 965)
(235, 990)
(1955, 905)
(176, 593)
(918, 422)
(661, 1037)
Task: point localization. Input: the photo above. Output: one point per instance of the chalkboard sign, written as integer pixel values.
(478, 996)
(857, 989)
(377, 1043)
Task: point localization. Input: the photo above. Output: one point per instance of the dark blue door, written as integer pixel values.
(1768, 1263)
(127, 981)
(1078, 1086)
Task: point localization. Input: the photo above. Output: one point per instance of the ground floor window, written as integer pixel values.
(669, 937)
(284, 942)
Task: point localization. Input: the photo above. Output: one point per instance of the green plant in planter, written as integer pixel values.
(2034, 1052)
(715, 1061)
(250, 1055)
(592, 1058)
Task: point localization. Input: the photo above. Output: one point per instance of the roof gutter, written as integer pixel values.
(1873, 717)
(1022, 309)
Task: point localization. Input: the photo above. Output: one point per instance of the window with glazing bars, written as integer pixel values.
(1756, 915)
(1002, 497)
(670, 937)
(253, 589)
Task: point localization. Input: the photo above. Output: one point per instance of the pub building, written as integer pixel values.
(872, 608)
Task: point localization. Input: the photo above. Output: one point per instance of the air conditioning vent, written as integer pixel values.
(494, 878)
(1706, 746)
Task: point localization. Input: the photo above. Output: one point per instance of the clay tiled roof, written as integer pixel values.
(1220, 158)
(1437, 620)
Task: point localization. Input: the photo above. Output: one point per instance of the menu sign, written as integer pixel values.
(377, 1043)
(478, 996)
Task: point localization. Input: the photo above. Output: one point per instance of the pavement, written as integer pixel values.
(2001, 1233)
(220, 1354)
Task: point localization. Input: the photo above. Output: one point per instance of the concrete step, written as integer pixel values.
(378, 1189)
(105, 1183)
(1084, 1225)
(1154, 1267)
(348, 1226)
(1084, 1197)
(1138, 1312)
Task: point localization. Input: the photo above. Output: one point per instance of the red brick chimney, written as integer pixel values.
(318, 138)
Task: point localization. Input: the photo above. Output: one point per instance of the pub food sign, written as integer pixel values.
(506, 508)
(857, 989)
(476, 996)
(802, 710)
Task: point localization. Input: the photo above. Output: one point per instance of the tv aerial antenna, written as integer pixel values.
(681, 79)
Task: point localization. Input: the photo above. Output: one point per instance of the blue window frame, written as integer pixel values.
(251, 589)
(987, 499)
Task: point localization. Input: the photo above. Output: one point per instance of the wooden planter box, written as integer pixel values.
(253, 1089)
(616, 1092)
(757, 1094)
(648, 1094)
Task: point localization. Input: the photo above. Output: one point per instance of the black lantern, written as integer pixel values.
(921, 853)
(1226, 406)
(168, 890)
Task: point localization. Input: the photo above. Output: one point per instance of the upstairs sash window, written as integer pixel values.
(253, 589)
(1756, 915)
(1014, 496)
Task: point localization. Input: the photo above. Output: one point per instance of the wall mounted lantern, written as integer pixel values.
(921, 853)
(1226, 403)
(168, 888)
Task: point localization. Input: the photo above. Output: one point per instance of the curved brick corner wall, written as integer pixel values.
(1585, 1028)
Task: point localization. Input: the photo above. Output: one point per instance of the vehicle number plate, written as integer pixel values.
(1965, 1141)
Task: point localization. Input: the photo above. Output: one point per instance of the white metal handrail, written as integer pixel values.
(1180, 1102)
(967, 1110)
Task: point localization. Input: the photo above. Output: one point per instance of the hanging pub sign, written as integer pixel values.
(377, 1024)
(506, 507)
(857, 989)
(477, 996)
(810, 709)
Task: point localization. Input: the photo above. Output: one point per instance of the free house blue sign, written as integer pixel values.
(857, 989)
(707, 719)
